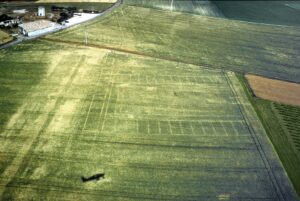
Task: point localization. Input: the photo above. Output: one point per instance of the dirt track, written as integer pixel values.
(275, 90)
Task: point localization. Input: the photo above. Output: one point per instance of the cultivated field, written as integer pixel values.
(275, 90)
(121, 95)
(190, 6)
(290, 120)
(282, 124)
(76, 1)
(274, 12)
(4, 37)
(160, 130)
(210, 42)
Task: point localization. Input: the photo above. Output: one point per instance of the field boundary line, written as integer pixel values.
(282, 184)
(207, 66)
(252, 133)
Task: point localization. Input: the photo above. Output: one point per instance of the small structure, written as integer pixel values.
(41, 11)
(10, 23)
(21, 11)
(36, 28)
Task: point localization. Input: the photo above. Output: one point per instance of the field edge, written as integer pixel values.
(273, 164)
(265, 107)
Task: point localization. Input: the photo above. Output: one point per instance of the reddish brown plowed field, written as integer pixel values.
(275, 90)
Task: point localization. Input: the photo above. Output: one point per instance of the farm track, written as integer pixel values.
(117, 49)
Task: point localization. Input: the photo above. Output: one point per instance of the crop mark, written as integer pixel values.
(88, 113)
(257, 143)
(170, 127)
(137, 126)
(117, 102)
(224, 129)
(159, 128)
(30, 143)
(111, 82)
(180, 125)
(148, 127)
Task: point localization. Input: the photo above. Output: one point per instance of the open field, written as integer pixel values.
(4, 37)
(16, 82)
(76, 1)
(131, 103)
(190, 6)
(160, 130)
(210, 42)
(282, 124)
(275, 90)
(270, 12)
(290, 118)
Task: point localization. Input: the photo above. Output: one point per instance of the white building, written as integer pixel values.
(41, 11)
(20, 11)
(36, 28)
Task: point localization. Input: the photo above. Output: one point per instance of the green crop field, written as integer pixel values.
(271, 12)
(15, 82)
(283, 127)
(211, 42)
(158, 129)
(190, 6)
(145, 96)
(275, 12)
(290, 116)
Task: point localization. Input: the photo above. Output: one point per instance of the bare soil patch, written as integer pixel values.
(275, 90)
(4, 37)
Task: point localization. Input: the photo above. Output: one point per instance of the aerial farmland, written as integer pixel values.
(150, 102)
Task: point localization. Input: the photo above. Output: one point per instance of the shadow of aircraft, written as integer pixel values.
(95, 177)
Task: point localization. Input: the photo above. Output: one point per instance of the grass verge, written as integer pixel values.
(283, 130)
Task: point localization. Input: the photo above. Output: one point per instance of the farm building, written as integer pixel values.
(41, 11)
(36, 28)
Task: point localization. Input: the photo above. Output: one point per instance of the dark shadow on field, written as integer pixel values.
(95, 177)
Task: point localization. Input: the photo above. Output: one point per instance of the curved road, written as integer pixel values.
(22, 38)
